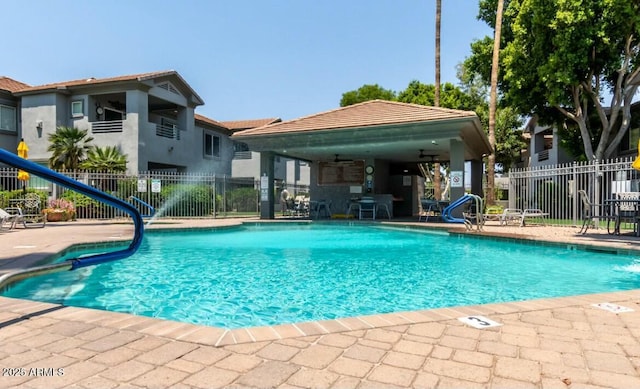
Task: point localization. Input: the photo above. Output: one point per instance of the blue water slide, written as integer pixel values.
(72, 264)
(446, 213)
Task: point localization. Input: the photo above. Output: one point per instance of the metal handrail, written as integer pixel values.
(141, 202)
(72, 264)
(479, 217)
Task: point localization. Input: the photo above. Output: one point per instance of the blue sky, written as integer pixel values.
(247, 59)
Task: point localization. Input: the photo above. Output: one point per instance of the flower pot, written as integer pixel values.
(57, 216)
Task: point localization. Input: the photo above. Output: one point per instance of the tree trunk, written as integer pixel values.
(437, 190)
(491, 163)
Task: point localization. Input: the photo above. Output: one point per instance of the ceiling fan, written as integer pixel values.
(422, 155)
(336, 159)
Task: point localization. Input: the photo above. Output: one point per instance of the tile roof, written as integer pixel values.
(238, 125)
(94, 81)
(368, 113)
(210, 121)
(11, 85)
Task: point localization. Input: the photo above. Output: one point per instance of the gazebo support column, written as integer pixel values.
(457, 168)
(267, 160)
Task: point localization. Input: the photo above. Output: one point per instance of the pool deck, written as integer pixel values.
(552, 343)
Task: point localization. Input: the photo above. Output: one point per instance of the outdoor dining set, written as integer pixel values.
(622, 207)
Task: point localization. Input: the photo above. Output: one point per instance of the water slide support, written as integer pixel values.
(72, 264)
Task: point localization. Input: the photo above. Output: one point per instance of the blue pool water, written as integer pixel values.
(265, 275)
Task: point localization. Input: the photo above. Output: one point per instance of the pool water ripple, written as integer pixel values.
(272, 275)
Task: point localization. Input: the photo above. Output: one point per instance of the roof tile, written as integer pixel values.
(368, 113)
(209, 121)
(11, 85)
(239, 125)
(92, 80)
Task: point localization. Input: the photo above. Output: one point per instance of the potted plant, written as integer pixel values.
(60, 210)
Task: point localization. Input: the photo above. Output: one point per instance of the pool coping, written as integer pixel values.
(216, 336)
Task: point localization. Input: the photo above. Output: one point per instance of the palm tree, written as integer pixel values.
(68, 147)
(105, 159)
(491, 163)
(437, 194)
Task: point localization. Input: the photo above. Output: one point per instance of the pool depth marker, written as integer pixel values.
(615, 308)
(479, 321)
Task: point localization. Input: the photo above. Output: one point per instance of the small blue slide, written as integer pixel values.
(446, 213)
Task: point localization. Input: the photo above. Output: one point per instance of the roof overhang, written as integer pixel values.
(395, 142)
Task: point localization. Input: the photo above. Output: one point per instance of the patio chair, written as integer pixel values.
(11, 216)
(31, 211)
(383, 209)
(367, 206)
(430, 208)
(593, 213)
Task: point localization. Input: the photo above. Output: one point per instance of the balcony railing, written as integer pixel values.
(107, 126)
(171, 132)
(242, 155)
(543, 155)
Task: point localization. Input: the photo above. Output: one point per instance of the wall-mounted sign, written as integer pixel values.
(142, 185)
(457, 180)
(264, 188)
(156, 186)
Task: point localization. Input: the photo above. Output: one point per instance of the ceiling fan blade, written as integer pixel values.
(341, 159)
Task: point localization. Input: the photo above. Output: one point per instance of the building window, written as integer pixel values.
(8, 118)
(211, 145)
(240, 147)
(77, 108)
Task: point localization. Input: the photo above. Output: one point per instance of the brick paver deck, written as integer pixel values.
(551, 343)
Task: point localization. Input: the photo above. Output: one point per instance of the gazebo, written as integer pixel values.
(372, 148)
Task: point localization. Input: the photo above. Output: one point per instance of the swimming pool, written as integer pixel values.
(265, 274)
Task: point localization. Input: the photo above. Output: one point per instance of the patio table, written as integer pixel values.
(624, 208)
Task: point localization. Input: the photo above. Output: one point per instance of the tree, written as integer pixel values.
(436, 100)
(493, 99)
(471, 95)
(68, 147)
(509, 141)
(451, 96)
(567, 56)
(105, 159)
(366, 93)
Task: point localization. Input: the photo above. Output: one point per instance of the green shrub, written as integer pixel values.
(187, 200)
(242, 200)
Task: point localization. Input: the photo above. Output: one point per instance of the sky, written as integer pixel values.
(247, 59)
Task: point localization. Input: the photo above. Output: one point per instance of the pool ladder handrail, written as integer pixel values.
(478, 217)
(75, 263)
(145, 204)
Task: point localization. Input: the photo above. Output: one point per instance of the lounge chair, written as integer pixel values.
(533, 213)
(11, 216)
(510, 215)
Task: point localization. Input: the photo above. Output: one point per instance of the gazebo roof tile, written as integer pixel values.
(368, 113)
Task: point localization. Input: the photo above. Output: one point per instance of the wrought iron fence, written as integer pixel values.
(554, 188)
(172, 195)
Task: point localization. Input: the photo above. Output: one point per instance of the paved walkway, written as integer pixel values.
(552, 343)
